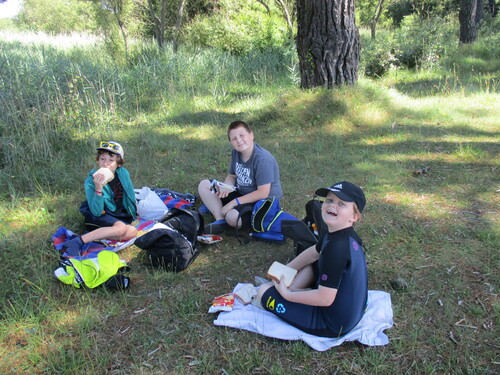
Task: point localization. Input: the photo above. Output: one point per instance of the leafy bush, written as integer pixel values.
(239, 30)
(377, 56)
(417, 44)
(57, 16)
(421, 43)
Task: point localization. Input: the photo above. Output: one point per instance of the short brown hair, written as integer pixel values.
(238, 124)
(119, 160)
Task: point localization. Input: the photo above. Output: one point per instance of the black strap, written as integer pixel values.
(243, 239)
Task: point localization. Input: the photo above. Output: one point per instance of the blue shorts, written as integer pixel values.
(107, 219)
(304, 317)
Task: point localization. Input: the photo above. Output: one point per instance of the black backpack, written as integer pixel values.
(307, 232)
(176, 247)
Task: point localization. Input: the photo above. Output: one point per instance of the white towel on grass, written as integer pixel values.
(369, 331)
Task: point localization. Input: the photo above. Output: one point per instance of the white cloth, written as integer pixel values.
(369, 331)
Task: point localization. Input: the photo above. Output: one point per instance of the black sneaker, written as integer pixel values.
(217, 227)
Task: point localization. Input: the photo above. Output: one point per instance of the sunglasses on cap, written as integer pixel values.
(109, 146)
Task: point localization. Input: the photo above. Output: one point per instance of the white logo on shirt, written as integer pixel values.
(243, 175)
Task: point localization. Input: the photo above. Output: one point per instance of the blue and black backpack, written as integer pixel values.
(266, 220)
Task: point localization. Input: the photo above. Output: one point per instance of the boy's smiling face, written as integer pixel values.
(241, 139)
(338, 214)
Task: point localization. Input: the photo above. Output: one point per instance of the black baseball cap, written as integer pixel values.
(346, 191)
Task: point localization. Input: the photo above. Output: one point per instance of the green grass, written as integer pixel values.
(438, 232)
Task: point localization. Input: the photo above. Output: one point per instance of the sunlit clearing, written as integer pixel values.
(420, 205)
(372, 116)
(26, 217)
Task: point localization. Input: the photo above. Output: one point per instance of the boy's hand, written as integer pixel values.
(99, 179)
(281, 287)
(228, 207)
(221, 193)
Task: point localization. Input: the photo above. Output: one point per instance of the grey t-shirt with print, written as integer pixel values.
(261, 169)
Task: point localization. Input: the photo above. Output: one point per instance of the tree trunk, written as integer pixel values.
(118, 13)
(467, 18)
(376, 17)
(158, 22)
(287, 16)
(327, 43)
(492, 8)
(479, 12)
(178, 22)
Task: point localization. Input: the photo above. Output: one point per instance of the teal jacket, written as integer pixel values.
(99, 203)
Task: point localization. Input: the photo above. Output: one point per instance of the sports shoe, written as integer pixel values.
(203, 210)
(73, 247)
(117, 282)
(260, 280)
(217, 227)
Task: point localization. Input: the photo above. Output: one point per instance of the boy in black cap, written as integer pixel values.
(328, 295)
(110, 206)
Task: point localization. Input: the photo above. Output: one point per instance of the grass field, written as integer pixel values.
(438, 232)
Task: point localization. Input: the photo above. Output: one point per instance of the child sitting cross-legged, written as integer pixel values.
(329, 293)
(110, 205)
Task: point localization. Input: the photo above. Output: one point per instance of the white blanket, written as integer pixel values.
(369, 331)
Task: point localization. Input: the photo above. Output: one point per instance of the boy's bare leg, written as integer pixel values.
(211, 200)
(256, 301)
(118, 231)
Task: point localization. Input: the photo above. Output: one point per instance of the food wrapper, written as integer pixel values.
(224, 302)
(209, 239)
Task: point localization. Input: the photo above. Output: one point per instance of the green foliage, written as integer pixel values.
(192, 9)
(397, 10)
(57, 16)
(239, 28)
(7, 24)
(420, 43)
(417, 44)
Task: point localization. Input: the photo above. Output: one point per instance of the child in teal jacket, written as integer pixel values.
(110, 206)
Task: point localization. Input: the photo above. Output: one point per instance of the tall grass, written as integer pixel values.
(55, 96)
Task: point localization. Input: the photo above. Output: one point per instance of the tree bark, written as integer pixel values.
(178, 22)
(479, 12)
(287, 16)
(467, 18)
(327, 43)
(158, 22)
(492, 8)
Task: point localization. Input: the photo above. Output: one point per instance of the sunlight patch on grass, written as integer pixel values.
(60, 41)
(430, 206)
(418, 156)
(338, 127)
(65, 319)
(391, 139)
(24, 217)
(371, 115)
(468, 153)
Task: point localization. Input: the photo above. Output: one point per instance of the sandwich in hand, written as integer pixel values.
(278, 269)
(107, 174)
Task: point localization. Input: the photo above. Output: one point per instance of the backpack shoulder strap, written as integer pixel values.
(241, 237)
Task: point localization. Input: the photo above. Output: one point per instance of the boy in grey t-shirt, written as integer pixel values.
(255, 173)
